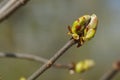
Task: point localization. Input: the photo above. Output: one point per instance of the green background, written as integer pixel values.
(40, 28)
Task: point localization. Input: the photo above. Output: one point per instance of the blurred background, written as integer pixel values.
(40, 28)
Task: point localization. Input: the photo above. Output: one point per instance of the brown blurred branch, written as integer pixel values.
(110, 75)
(52, 60)
(33, 58)
(9, 7)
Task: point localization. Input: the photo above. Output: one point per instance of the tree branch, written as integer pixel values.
(10, 6)
(33, 58)
(110, 75)
(52, 60)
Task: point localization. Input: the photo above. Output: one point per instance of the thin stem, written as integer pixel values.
(10, 6)
(33, 58)
(110, 75)
(52, 60)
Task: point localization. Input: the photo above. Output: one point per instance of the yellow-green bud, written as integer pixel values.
(84, 28)
(84, 66)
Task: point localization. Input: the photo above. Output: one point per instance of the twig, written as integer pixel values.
(110, 75)
(9, 7)
(52, 60)
(33, 58)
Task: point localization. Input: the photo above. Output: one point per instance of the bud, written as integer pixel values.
(23, 78)
(83, 66)
(84, 28)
